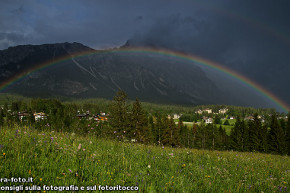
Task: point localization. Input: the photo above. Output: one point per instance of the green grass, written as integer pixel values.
(62, 159)
(231, 121)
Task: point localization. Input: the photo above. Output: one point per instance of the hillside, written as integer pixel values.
(60, 159)
(148, 76)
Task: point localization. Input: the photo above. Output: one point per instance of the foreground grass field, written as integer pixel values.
(63, 159)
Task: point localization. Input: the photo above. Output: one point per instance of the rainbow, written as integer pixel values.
(189, 57)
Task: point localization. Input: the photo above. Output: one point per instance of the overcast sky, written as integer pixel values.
(251, 37)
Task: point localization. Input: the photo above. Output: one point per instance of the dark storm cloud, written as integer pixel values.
(251, 37)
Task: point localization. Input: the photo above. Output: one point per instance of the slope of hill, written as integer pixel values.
(150, 77)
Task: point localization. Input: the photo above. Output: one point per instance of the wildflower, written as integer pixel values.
(51, 139)
(149, 166)
(80, 146)
(115, 131)
(183, 165)
(29, 172)
(40, 179)
(70, 170)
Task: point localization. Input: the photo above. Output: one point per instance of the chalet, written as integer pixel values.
(199, 111)
(103, 118)
(249, 118)
(209, 111)
(102, 114)
(208, 120)
(40, 116)
(176, 116)
(23, 115)
(83, 116)
(223, 111)
(100, 117)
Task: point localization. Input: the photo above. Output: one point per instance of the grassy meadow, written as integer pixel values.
(63, 159)
(226, 127)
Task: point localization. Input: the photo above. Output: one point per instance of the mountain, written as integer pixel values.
(148, 76)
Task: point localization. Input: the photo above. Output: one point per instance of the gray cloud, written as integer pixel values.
(251, 37)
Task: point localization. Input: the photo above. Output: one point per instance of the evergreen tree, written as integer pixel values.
(194, 133)
(236, 141)
(264, 137)
(171, 134)
(255, 135)
(139, 124)
(158, 129)
(184, 138)
(119, 117)
(1, 117)
(276, 136)
(222, 139)
(287, 134)
(245, 136)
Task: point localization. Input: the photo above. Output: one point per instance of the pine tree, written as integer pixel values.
(183, 134)
(158, 130)
(287, 134)
(255, 129)
(194, 133)
(1, 117)
(237, 134)
(222, 138)
(276, 136)
(119, 117)
(139, 124)
(171, 134)
(245, 136)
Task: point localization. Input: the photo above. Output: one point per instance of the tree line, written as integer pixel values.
(128, 121)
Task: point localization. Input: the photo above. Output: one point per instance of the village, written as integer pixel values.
(206, 116)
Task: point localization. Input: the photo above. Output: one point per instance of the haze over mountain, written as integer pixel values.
(148, 76)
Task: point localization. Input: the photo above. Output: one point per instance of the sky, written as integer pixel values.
(250, 37)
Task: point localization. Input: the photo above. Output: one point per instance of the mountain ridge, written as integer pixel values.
(150, 78)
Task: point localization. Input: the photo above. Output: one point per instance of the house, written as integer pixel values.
(176, 116)
(223, 111)
(101, 117)
(23, 115)
(249, 118)
(209, 111)
(208, 120)
(102, 114)
(199, 111)
(82, 116)
(40, 116)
